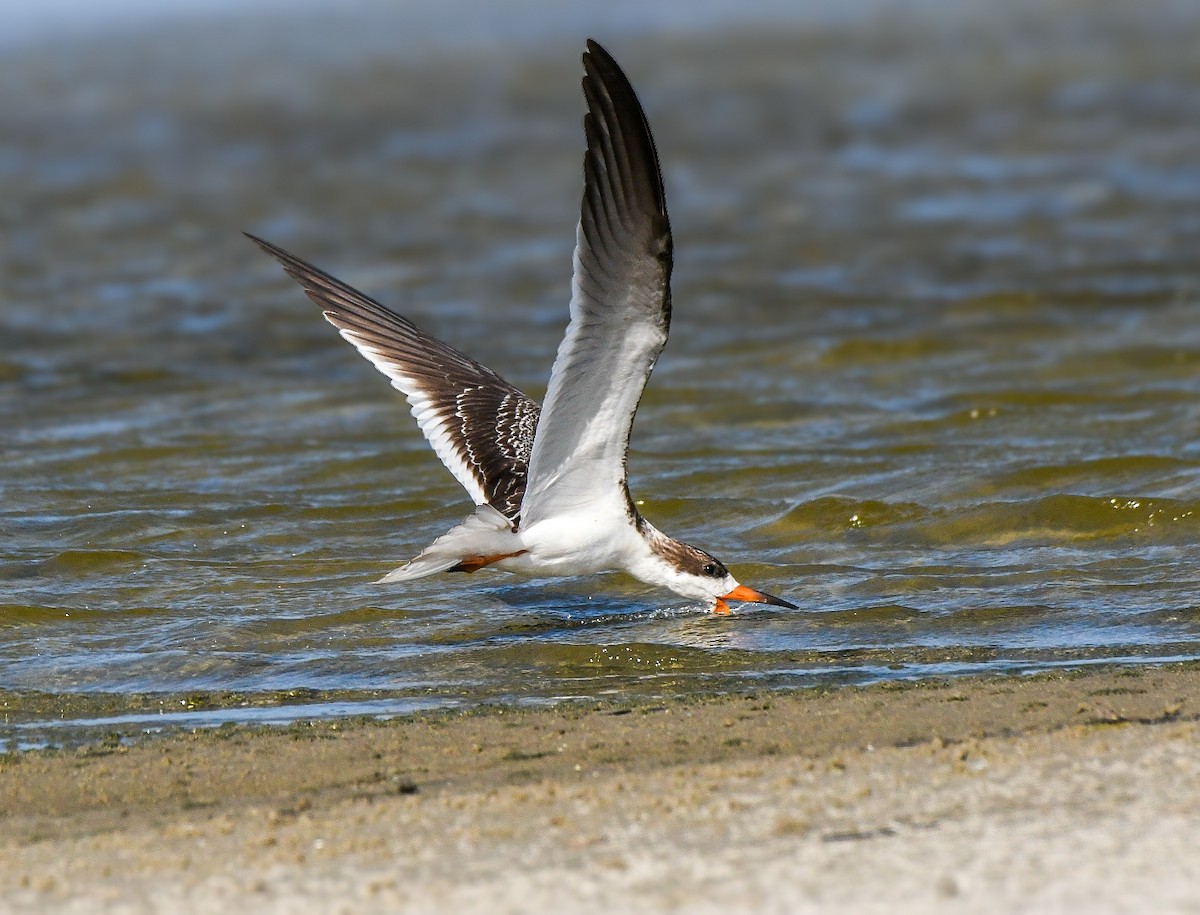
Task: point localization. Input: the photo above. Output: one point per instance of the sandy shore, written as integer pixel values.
(1032, 794)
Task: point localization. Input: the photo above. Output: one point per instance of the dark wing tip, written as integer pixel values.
(613, 101)
(349, 310)
(598, 51)
(276, 252)
(597, 59)
(296, 268)
(488, 447)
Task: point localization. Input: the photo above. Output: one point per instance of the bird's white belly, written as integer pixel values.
(573, 545)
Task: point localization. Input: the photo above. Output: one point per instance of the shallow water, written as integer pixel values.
(934, 372)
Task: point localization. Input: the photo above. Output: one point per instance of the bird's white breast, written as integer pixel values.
(581, 542)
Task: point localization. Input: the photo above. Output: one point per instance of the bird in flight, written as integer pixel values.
(549, 483)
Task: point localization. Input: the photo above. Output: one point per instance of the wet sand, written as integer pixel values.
(1039, 793)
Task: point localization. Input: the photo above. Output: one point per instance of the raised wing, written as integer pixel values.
(480, 426)
(620, 308)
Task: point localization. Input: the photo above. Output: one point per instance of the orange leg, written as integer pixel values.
(475, 563)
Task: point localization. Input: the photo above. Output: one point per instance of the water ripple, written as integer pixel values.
(934, 372)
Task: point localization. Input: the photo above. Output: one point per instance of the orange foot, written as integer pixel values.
(475, 563)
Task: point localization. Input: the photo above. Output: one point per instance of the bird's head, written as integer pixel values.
(693, 573)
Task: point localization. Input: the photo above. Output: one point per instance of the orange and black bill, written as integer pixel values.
(750, 596)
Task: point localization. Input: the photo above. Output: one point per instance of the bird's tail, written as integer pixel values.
(484, 534)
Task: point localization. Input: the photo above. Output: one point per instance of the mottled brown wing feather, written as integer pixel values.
(480, 426)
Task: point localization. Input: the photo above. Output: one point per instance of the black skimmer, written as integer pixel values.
(549, 482)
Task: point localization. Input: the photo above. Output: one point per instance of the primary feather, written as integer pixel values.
(479, 425)
(620, 308)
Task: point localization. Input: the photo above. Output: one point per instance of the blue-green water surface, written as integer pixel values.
(934, 372)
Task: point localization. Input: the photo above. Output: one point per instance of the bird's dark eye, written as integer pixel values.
(712, 570)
